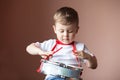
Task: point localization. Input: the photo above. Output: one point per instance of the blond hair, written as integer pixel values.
(66, 16)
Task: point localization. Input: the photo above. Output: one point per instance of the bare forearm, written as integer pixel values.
(92, 62)
(33, 50)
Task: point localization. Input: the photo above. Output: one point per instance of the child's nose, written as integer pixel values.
(65, 33)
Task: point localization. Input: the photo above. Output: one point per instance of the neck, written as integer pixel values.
(59, 42)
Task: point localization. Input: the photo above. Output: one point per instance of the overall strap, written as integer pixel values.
(77, 59)
(74, 50)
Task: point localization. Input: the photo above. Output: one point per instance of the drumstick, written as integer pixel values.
(52, 53)
(57, 50)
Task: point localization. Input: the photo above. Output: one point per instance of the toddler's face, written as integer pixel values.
(65, 33)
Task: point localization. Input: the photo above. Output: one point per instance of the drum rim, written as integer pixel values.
(63, 65)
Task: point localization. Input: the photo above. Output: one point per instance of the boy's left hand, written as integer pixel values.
(81, 54)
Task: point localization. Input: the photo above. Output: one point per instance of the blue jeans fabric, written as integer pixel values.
(50, 77)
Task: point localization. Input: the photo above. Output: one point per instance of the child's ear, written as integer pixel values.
(54, 28)
(77, 29)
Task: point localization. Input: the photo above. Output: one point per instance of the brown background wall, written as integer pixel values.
(26, 21)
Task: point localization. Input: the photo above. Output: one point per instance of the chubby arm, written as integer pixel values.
(91, 60)
(34, 49)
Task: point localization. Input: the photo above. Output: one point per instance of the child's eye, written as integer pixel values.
(70, 31)
(61, 31)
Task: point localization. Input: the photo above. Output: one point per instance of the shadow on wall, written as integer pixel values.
(26, 21)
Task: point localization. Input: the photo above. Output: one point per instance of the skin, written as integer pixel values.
(65, 33)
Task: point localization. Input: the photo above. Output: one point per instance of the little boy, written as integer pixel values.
(64, 49)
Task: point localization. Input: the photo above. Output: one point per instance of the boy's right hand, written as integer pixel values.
(42, 53)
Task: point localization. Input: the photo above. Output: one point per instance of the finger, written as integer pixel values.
(44, 56)
(74, 51)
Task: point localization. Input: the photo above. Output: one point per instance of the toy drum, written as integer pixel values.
(59, 69)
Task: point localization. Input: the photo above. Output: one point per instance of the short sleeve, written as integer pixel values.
(47, 44)
(83, 47)
(86, 50)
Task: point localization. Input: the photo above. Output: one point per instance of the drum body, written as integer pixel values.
(59, 69)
